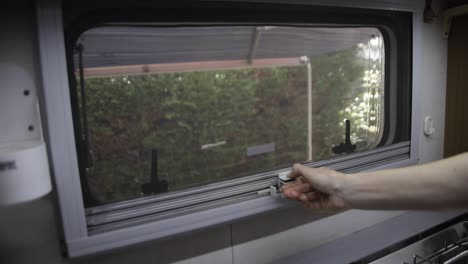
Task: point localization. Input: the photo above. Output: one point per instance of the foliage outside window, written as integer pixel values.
(202, 124)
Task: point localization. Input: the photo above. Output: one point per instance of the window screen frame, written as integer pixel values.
(79, 240)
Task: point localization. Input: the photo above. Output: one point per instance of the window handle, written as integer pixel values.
(347, 146)
(275, 190)
(155, 185)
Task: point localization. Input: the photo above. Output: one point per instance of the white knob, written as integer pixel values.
(428, 126)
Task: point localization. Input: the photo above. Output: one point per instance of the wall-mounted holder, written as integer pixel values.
(448, 14)
(24, 172)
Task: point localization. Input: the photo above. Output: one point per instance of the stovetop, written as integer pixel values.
(441, 245)
(381, 241)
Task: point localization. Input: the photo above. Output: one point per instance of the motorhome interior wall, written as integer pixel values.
(30, 233)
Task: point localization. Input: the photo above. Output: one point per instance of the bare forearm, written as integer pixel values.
(437, 185)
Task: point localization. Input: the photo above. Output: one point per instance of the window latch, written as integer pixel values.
(275, 190)
(347, 146)
(155, 185)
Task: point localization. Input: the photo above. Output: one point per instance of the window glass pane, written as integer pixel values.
(197, 105)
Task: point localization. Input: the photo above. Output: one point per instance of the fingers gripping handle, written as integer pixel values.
(282, 179)
(275, 190)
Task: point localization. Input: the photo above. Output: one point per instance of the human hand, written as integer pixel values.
(320, 188)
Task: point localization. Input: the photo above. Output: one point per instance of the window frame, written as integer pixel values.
(108, 217)
(106, 18)
(62, 150)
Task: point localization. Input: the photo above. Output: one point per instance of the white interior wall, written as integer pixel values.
(29, 233)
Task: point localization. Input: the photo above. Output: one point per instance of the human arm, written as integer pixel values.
(437, 185)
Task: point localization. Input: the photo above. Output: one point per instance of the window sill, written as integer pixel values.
(182, 224)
